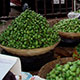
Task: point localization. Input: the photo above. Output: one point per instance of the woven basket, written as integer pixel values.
(29, 52)
(49, 66)
(69, 35)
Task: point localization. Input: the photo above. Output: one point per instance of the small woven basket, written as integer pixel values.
(49, 66)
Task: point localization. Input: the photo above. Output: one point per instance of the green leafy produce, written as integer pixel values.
(28, 31)
(69, 71)
(68, 25)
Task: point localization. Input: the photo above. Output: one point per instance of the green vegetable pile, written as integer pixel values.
(69, 71)
(28, 31)
(67, 25)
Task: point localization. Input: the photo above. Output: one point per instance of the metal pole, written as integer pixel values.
(74, 5)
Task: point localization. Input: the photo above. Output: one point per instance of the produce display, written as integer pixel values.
(28, 31)
(69, 71)
(67, 25)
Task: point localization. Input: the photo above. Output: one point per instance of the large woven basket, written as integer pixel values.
(29, 52)
(49, 66)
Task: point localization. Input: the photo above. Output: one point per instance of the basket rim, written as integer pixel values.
(29, 52)
(43, 67)
(71, 35)
(30, 49)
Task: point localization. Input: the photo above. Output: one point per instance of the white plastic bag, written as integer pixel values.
(72, 15)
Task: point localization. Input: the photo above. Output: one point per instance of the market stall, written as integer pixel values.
(51, 50)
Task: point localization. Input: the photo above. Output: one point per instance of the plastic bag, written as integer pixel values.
(73, 15)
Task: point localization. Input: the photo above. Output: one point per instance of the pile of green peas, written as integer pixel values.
(69, 71)
(28, 31)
